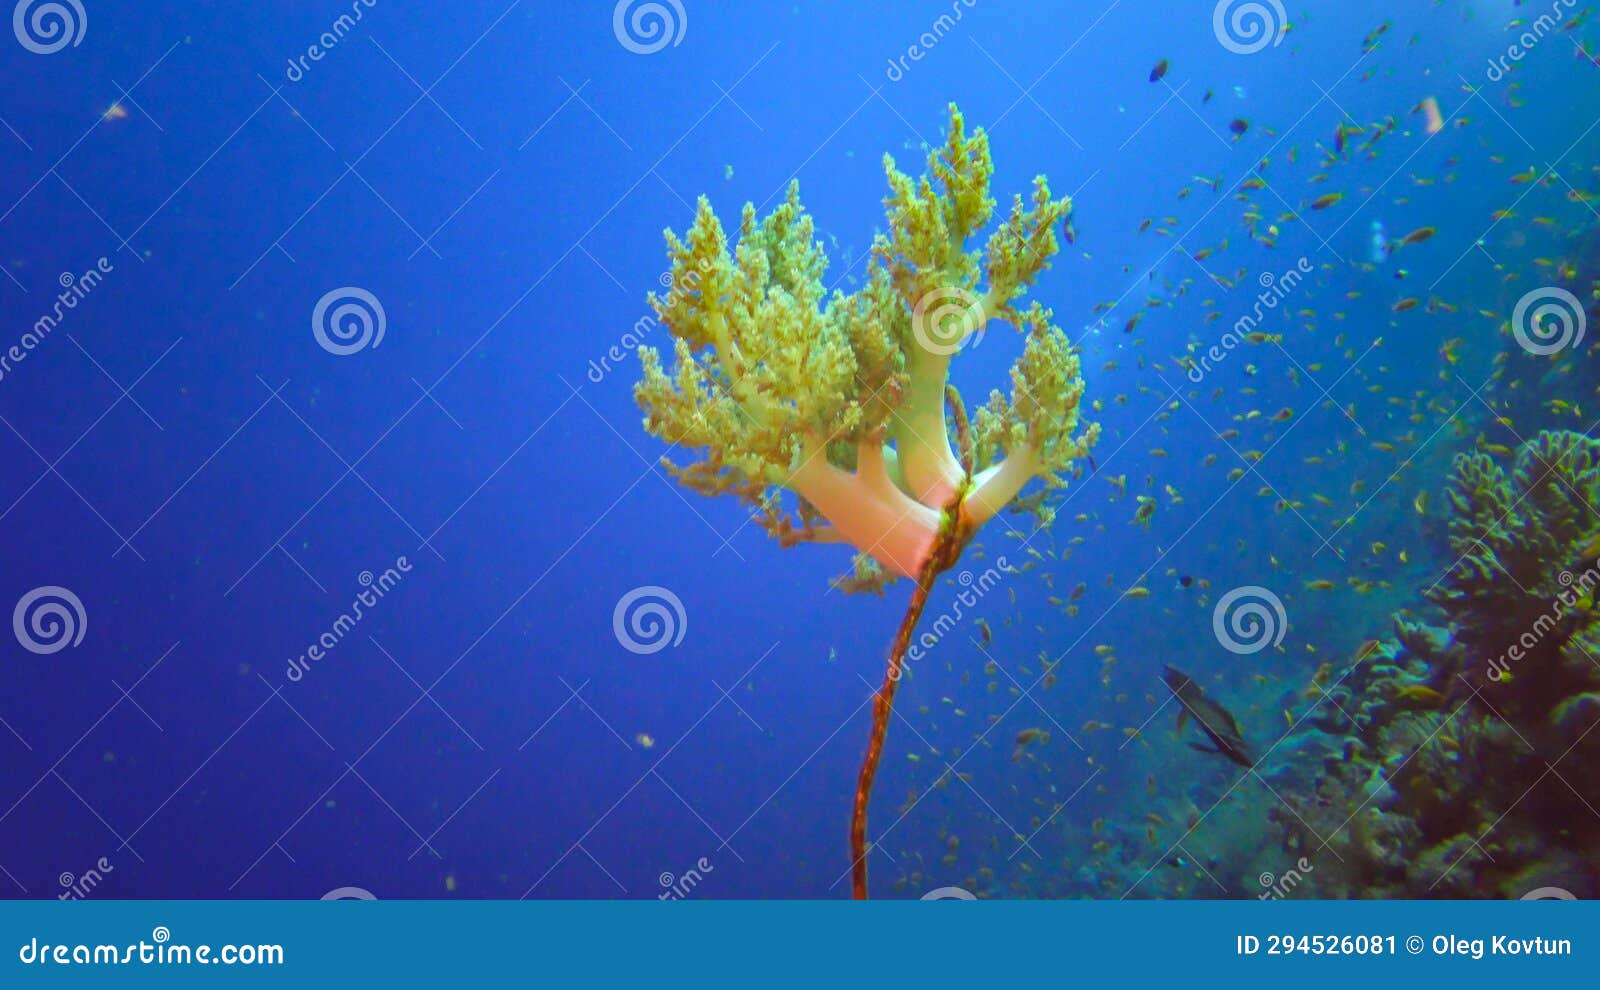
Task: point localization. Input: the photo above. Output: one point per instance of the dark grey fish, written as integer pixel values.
(1219, 725)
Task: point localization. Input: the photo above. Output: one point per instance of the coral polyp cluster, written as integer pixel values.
(841, 398)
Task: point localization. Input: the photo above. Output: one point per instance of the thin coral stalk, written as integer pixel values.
(954, 532)
(953, 537)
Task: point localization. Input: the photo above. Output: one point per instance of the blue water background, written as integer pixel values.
(499, 175)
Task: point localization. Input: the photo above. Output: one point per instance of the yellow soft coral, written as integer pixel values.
(841, 398)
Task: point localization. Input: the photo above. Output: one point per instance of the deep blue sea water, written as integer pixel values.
(211, 485)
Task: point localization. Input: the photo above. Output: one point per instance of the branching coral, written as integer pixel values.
(841, 398)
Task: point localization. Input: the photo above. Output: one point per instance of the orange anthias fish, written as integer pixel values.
(1419, 696)
(1315, 689)
(1418, 236)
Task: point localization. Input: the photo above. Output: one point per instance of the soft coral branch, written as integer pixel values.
(841, 400)
(868, 510)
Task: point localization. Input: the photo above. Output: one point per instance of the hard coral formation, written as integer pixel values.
(1460, 756)
(841, 398)
(1522, 592)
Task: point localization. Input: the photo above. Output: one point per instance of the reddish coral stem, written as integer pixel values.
(953, 536)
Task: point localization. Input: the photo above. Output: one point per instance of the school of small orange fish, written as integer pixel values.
(989, 766)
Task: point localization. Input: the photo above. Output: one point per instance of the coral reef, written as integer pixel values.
(1522, 591)
(841, 399)
(1453, 761)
